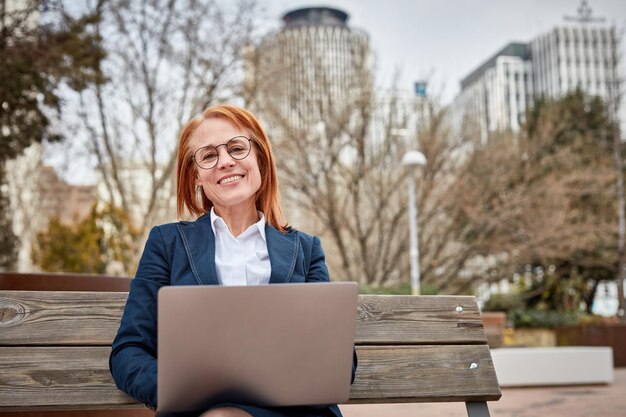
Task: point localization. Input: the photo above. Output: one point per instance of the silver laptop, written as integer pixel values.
(269, 345)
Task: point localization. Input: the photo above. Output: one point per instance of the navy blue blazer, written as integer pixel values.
(184, 254)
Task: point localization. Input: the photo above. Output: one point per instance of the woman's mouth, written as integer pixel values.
(230, 179)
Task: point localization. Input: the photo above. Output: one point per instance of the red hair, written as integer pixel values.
(197, 203)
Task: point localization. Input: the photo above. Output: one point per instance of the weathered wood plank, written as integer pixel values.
(66, 377)
(92, 318)
(78, 377)
(62, 282)
(418, 320)
(435, 373)
(59, 318)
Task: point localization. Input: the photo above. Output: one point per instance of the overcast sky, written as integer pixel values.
(444, 40)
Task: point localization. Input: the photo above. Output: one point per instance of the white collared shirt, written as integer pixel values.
(241, 260)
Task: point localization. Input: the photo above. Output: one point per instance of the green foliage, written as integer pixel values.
(596, 320)
(42, 47)
(8, 240)
(555, 289)
(541, 299)
(543, 318)
(89, 245)
(504, 302)
(400, 289)
(71, 248)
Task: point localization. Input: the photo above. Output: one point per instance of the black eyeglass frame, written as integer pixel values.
(193, 156)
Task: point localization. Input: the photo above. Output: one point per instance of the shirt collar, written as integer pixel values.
(217, 223)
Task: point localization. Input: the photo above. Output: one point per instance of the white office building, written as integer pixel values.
(494, 97)
(304, 79)
(309, 68)
(582, 54)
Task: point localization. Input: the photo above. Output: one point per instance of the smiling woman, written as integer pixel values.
(227, 178)
(230, 180)
(201, 189)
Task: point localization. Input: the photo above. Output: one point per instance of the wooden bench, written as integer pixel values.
(54, 349)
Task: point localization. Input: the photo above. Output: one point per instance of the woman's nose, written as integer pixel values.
(224, 158)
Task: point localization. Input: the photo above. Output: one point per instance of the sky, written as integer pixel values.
(444, 40)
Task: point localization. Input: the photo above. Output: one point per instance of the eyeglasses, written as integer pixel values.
(238, 148)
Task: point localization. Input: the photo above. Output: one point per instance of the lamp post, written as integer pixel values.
(411, 160)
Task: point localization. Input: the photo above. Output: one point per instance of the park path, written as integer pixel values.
(572, 401)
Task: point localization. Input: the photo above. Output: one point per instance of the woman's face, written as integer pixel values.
(231, 183)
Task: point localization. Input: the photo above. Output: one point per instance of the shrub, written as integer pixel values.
(542, 318)
(401, 289)
(503, 302)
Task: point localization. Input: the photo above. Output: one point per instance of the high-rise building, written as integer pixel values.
(313, 65)
(570, 57)
(495, 95)
(580, 55)
(307, 81)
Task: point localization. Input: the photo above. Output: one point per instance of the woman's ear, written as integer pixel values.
(196, 178)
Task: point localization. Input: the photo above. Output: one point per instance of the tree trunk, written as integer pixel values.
(619, 166)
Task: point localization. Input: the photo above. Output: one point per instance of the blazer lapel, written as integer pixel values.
(282, 249)
(199, 243)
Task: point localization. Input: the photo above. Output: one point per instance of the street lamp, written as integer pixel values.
(412, 160)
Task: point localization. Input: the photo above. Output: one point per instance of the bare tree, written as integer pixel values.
(167, 60)
(545, 197)
(336, 179)
(449, 243)
(339, 148)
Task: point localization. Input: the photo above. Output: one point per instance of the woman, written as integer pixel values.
(227, 177)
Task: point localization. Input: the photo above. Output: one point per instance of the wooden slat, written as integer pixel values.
(62, 378)
(59, 318)
(92, 318)
(426, 373)
(62, 282)
(418, 320)
(78, 377)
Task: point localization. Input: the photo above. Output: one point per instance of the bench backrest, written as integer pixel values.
(54, 349)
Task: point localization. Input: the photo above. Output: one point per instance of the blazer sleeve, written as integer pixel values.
(318, 271)
(133, 361)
